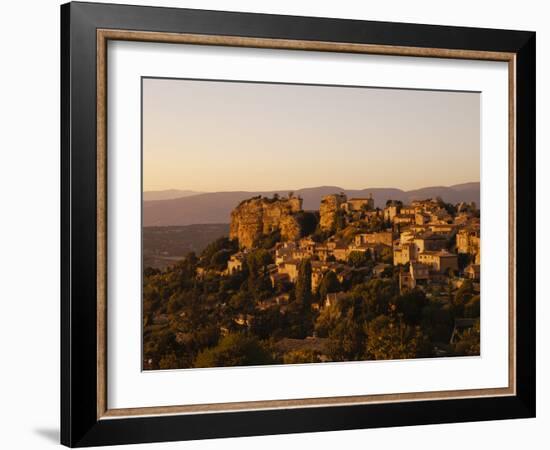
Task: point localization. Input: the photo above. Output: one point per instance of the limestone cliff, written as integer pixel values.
(259, 215)
(330, 205)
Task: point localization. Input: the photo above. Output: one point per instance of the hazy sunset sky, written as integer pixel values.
(230, 136)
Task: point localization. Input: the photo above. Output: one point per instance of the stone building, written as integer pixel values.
(405, 281)
(235, 263)
(340, 252)
(307, 244)
(472, 272)
(420, 273)
(468, 240)
(417, 275)
(444, 228)
(407, 236)
(430, 242)
(391, 210)
(425, 206)
(381, 237)
(290, 268)
(319, 269)
(421, 218)
(440, 216)
(279, 279)
(404, 253)
(358, 204)
(439, 261)
(284, 251)
(408, 210)
(403, 219)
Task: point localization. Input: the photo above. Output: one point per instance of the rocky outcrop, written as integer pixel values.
(259, 216)
(290, 228)
(330, 206)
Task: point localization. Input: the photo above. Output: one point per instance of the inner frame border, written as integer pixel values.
(103, 36)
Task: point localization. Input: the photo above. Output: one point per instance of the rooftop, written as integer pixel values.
(440, 253)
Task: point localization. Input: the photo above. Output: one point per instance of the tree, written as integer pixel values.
(387, 272)
(308, 222)
(182, 274)
(299, 309)
(449, 207)
(394, 203)
(257, 262)
(461, 297)
(223, 243)
(168, 361)
(303, 285)
(437, 322)
(235, 349)
(471, 308)
(377, 294)
(328, 319)
(267, 241)
(469, 342)
(340, 221)
(465, 292)
(150, 272)
(358, 259)
(266, 323)
(389, 338)
(386, 255)
(464, 259)
(219, 259)
(300, 357)
(329, 284)
(411, 305)
(258, 282)
(175, 303)
(376, 224)
(242, 302)
(162, 346)
(320, 235)
(346, 339)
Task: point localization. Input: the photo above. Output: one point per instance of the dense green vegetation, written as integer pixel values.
(194, 315)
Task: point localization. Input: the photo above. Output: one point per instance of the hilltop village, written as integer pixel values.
(348, 281)
(425, 240)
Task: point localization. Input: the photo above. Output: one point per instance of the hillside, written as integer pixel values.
(216, 207)
(163, 246)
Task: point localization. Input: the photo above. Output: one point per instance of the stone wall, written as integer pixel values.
(260, 216)
(330, 205)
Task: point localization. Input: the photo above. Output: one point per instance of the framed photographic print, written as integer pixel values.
(277, 224)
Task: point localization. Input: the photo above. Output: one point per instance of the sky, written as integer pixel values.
(213, 136)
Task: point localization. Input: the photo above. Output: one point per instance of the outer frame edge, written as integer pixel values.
(65, 389)
(526, 222)
(101, 432)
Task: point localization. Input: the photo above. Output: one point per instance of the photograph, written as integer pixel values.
(296, 224)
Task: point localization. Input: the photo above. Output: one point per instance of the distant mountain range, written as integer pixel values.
(167, 194)
(215, 207)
